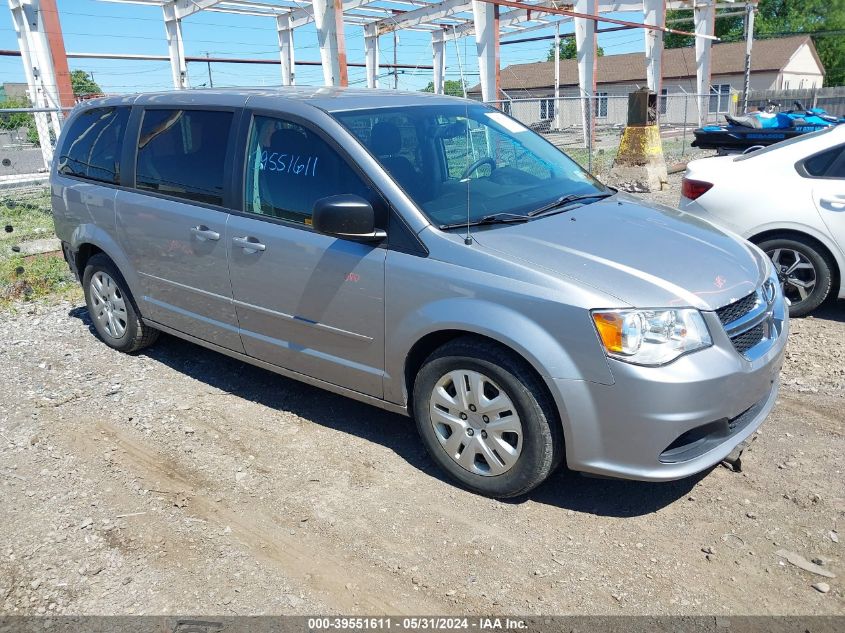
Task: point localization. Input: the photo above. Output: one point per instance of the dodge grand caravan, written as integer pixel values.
(431, 256)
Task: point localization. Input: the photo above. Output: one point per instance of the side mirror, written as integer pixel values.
(348, 217)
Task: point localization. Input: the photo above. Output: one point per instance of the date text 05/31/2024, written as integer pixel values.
(481, 624)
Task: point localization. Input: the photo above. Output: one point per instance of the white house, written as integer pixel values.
(777, 63)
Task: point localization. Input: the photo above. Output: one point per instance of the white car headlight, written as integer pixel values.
(651, 337)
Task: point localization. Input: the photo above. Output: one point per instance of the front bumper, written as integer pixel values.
(665, 423)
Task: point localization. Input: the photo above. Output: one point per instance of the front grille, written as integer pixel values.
(738, 309)
(748, 339)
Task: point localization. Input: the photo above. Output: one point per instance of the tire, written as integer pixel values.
(112, 308)
(812, 264)
(504, 462)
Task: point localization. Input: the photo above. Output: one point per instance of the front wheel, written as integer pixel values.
(486, 419)
(804, 272)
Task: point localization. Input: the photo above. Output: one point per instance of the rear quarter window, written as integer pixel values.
(91, 149)
(827, 164)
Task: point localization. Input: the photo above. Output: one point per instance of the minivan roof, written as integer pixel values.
(331, 99)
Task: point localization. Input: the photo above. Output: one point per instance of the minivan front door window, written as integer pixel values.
(289, 168)
(182, 153)
(470, 161)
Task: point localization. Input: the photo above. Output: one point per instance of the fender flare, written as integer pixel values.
(524, 336)
(96, 236)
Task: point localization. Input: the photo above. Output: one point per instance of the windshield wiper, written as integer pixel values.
(566, 200)
(494, 218)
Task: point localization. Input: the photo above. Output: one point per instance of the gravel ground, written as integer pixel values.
(179, 480)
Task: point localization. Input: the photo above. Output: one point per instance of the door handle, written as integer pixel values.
(249, 244)
(839, 205)
(203, 233)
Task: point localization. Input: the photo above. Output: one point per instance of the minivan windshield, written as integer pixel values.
(468, 162)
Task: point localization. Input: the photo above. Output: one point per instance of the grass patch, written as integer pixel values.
(27, 212)
(35, 277)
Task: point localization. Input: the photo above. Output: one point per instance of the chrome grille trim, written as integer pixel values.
(733, 311)
(748, 322)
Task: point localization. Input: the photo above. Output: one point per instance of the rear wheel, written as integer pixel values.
(486, 419)
(804, 272)
(112, 307)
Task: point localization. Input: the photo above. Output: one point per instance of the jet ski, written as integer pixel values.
(761, 128)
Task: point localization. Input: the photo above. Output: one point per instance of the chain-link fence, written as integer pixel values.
(564, 122)
(30, 264)
(27, 139)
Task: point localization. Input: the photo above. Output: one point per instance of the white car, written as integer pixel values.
(787, 198)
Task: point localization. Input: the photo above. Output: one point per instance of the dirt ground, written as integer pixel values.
(181, 481)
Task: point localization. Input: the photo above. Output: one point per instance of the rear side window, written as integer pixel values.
(92, 146)
(829, 164)
(182, 153)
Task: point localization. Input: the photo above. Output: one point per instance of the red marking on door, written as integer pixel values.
(353, 277)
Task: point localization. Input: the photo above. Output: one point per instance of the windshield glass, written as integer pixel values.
(465, 162)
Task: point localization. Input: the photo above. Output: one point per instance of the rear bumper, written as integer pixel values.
(70, 257)
(666, 423)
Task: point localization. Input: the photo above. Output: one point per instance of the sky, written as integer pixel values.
(106, 27)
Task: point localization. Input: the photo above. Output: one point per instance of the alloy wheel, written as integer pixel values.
(476, 422)
(796, 273)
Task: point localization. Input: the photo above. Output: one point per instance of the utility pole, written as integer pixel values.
(208, 63)
(749, 40)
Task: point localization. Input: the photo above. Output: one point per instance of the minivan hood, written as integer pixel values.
(647, 256)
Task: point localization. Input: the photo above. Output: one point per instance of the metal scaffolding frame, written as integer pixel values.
(487, 20)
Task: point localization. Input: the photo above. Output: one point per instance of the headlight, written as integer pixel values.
(651, 337)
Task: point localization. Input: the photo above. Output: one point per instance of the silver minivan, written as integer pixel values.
(431, 256)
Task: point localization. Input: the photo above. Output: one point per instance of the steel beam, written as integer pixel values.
(585, 44)
(654, 12)
(371, 54)
(486, 17)
(175, 46)
(286, 49)
(438, 49)
(705, 22)
(423, 15)
(305, 14)
(506, 20)
(557, 76)
(23, 17)
(58, 56)
(542, 24)
(184, 8)
(328, 18)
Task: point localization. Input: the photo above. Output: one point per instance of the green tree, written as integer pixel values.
(452, 87)
(568, 50)
(16, 120)
(823, 20)
(83, 84)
